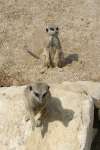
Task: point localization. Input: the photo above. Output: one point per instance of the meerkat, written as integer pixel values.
(37, 96)
(52, 55)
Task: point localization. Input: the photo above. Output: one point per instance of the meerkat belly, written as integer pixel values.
(52, 52)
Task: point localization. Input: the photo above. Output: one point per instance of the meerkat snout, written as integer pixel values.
(52, 29)
(40, 95)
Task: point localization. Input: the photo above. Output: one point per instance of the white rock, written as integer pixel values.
(92, 88)
(68, 126)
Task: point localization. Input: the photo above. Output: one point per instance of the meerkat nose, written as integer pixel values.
(52, 29)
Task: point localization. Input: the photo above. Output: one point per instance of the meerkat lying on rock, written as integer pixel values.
(52, 55)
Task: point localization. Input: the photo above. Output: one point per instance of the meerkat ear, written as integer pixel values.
(48, 87)
(46, 29)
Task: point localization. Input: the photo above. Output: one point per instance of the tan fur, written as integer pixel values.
(52, 55)
(37, 96)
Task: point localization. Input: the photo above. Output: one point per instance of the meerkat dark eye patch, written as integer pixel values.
(46, 29)
(44, 94)
(52, 29)
(30, 88)
(36, 94)
(57, 28)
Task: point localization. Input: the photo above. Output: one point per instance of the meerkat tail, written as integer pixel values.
(32, 54)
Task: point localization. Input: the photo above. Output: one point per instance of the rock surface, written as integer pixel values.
(68, 125)
(91, 88)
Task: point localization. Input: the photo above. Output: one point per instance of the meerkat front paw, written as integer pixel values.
(27, 118)
(38, 123)
(33, 126)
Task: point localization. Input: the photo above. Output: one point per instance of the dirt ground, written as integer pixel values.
(23, 22)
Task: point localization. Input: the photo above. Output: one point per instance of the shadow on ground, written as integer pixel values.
(69, 59)
(56, 112)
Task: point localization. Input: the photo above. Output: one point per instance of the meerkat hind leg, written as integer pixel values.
(51, 57)
(56, 59)
(45, 60)
(59, 59)
(32, 120)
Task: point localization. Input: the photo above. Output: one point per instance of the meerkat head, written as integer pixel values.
(52, 30)
(39, 92)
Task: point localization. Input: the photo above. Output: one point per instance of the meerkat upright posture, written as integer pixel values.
(37, 96)
(53, 52)
(52, 55)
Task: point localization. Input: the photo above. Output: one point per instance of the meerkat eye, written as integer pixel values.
(57, 28)
(30, 88)
(44, 94)
(36, 94)
(46, 29)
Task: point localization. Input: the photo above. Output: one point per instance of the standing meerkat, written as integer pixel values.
(37, 96)
(52, 55)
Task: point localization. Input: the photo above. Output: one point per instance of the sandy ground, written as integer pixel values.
(24, 22)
